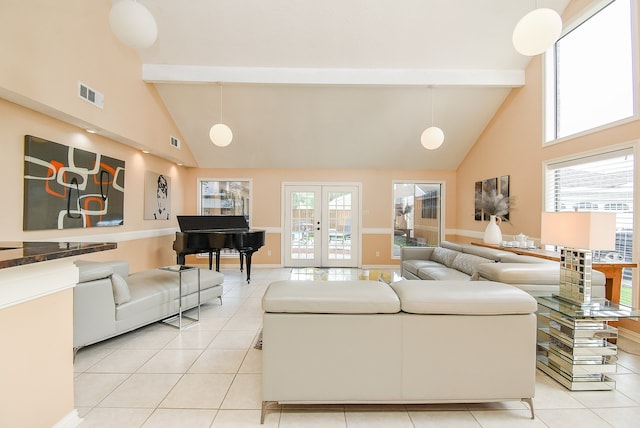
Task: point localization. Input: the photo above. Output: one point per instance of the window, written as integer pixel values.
(589, 75)
(599, 182)
(224, 197)
(417, 211)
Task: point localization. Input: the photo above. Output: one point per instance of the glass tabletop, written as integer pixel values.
(599, 309)
(178, 268)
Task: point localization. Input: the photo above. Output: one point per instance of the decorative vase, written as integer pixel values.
(492, 234)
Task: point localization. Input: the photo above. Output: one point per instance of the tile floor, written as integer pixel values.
(210, 376)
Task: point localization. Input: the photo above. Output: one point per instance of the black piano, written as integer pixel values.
(210, 234)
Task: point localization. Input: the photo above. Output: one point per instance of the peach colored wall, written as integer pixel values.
(376, 210)
(512, 145)
(42, 369)
(17, 121)
(48, 46)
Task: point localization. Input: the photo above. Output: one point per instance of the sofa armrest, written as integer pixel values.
(416, 253)
(94, 312)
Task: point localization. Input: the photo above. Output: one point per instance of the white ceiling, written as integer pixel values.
(334, 83)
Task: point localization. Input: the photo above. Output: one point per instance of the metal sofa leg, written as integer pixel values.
(530, 402)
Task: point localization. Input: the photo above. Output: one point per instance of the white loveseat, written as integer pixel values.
(408, 342)
(108, 301)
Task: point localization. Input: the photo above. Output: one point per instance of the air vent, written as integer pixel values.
(90, 95)
(174, 142)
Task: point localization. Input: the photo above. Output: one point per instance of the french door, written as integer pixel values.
(321, 225)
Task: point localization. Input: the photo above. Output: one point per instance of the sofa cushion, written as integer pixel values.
(330, 297)
(443, 256)
(414, 266)
(441, 273)
(121, 292)
(468, 263)
(521, 273)
(462, 298)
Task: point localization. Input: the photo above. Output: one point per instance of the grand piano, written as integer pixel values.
(210, 234)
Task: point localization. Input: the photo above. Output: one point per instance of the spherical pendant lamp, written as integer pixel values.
(133, 24)
(220, 135)
(537, 31)
(432, 138)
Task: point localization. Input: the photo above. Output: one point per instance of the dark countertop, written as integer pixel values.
(23, 253)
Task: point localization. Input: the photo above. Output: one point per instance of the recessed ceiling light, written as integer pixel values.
(91, 131)
(146, 151)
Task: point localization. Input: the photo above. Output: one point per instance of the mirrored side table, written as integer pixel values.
(177, 320)
(576, 344)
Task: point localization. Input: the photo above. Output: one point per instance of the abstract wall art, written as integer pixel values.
(66, 187)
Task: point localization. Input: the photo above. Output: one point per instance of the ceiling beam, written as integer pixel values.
(162, 73)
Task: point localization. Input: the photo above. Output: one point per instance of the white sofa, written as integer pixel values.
(454, 261)
(108, 301)
(408, 342)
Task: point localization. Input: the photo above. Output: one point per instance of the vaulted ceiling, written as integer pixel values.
(334, 83)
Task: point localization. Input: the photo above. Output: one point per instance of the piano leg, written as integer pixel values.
(248, 256)
(218, 261)
(241, 261)
(210, 259)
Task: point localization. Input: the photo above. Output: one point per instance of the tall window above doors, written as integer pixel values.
(603, 182)
(590, 73)
(417, 215)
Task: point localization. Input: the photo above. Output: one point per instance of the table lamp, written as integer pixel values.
(578, 233)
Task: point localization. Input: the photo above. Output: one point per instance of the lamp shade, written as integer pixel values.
(583, 230)
(432, 138)
(537, 31)
(220, 135)
(133, 24)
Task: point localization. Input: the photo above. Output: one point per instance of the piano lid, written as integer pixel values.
(205, 222)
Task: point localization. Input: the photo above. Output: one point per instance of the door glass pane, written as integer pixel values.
(302, 225)
(417, 215)
(339, 224)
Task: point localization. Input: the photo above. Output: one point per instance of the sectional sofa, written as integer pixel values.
(108, 301)
(455, 261)
(410, 342)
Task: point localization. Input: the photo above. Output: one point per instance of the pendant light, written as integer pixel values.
(220, 134)
(537, 31)
(432, 137)
(133, 24)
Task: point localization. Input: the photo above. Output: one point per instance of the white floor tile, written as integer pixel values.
(172, 418)
(141, 390)
(115, 418)
(198, 391)
(170, 361)
(210, 375)
(245, 393)
(561, 418)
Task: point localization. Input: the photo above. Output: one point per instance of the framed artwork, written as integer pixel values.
(504, 190)
(489, 185)
(66, 187)
(157, 196)
(478, 206)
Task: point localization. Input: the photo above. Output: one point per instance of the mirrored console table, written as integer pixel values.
(576, 343)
